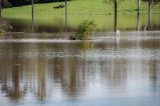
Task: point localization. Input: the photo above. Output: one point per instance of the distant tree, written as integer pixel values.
(152, 0)
(25, 2)
(19, 2)
(3, 3)
(6, 3)
(115, 3)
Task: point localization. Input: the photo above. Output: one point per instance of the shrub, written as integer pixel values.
(4, 28)
(85, 29)
(2, 31)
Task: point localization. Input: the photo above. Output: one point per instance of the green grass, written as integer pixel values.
(75, 7)
(79, 10)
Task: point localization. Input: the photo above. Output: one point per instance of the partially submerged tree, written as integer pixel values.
(4, 27)
(84, 31)
(115, 3)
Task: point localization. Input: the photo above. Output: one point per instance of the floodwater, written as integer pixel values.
(103, 71)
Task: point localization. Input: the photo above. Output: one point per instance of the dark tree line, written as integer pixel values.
(9, 3)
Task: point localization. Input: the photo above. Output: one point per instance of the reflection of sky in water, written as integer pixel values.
(81, 73)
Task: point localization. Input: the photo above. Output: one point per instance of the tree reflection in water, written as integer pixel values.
(78, 70)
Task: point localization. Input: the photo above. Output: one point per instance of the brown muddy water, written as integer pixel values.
(103, 71)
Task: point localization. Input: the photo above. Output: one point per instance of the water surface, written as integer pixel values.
(104, 71)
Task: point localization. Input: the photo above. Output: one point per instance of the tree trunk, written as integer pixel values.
(138, 22)
(32, 16)
(115, 15)
(0, 8)
(149, 14)
(159, 6)
(65, 15)
(138, 12)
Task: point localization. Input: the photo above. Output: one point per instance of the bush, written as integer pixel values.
(5, 28)
(2, 31)
(85, 29)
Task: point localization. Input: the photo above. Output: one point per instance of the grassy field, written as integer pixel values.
(76, 7)
(79, 10)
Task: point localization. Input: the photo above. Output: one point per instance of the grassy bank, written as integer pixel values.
(79, 10)
(76, 7)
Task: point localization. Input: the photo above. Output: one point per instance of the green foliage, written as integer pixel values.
(2, 31)
(85, 29)
(7, 3)
(5, 27)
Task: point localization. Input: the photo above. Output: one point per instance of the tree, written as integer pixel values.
(149, 13)
(0, 8)
(139, 1)
(149, 10)
(32, 1)
(65, 15)
(138, 14)
(157, 2)
(115, 3)
(25, 2)
(154, 2)
(19, 2)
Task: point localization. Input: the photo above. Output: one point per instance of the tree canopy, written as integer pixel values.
(8, 3)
